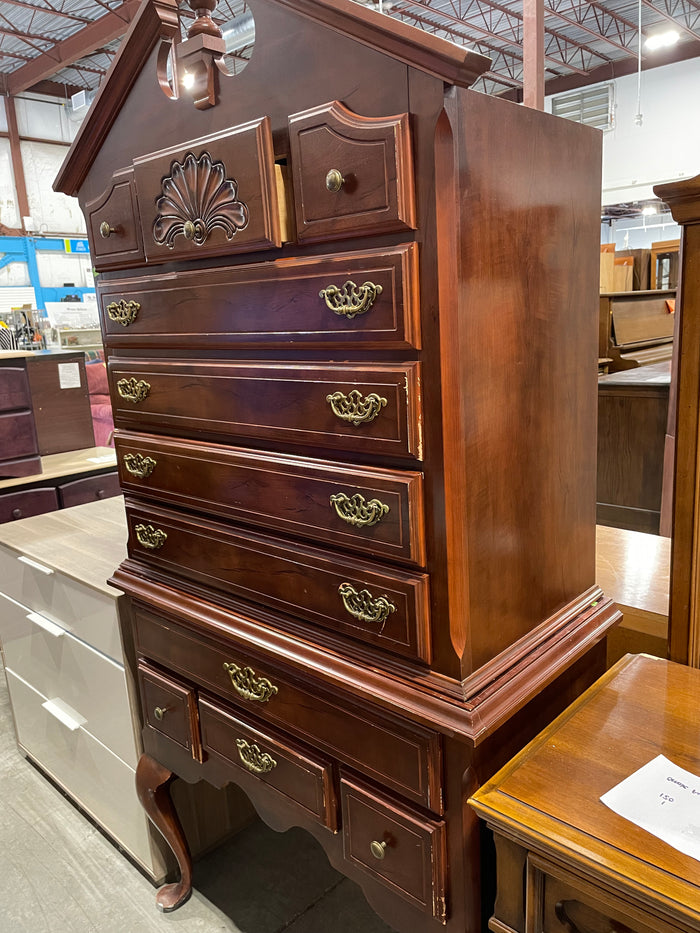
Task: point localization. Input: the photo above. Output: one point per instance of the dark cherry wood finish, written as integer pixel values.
(170, 708)
(113, 224)
(462, 208)
(273, 305)
(26, 502)
(60, 402)
(87, 489)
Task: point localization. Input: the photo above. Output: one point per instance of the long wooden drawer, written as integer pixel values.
(400, 755)
(379, 512)
(294, 772)
(57, 664)
(26, 502)
(368, 409)
(387, 609)
(88, 489)
(366, 299)
(89, 615)
(92, 775)
(402, 849)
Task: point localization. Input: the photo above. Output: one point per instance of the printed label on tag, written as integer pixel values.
(69, 375)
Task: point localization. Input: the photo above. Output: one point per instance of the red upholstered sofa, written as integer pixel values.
(99, 402)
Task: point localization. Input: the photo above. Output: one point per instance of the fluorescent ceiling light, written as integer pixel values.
(661, 40)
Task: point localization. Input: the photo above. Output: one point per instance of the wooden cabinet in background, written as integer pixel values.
(361, 557)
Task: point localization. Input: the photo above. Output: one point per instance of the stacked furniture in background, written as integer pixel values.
(355, 435)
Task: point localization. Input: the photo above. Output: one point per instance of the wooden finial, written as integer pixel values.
(203, 25)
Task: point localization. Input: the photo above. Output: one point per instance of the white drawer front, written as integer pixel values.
(99, 781)
(86, 613)
(56, 664)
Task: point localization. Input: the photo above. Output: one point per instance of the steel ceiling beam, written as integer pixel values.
(100, 32)
(47, 9)
(589, 11)
(667, 10)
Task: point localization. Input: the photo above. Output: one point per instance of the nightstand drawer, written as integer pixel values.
(14, 389)
(386, 608)
(17, 435)
(367, 409)
(57, 664)
(399, 754)
(294, 772)
(402, 849)
(100, 782)
(87, 614)
(89, 489)
(365, 299)
(377, 512)
(27, 502)
(353, 175)
(170, 708)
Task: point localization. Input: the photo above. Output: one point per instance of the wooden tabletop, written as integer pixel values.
(653, 374)
(86, 543)
(71, 463)
(634, 568)
(547, 797)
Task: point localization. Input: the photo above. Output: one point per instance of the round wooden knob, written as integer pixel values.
(106, 231)
(378, 849)
(334, 180)
(17, 513)
(159, 712)
(100, 494)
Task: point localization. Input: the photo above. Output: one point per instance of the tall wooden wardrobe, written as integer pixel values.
(350, 314)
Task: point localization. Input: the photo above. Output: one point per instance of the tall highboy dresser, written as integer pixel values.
(350, 310)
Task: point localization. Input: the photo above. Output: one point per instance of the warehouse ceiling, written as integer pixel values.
(71, 43)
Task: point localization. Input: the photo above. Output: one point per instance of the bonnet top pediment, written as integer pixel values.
(157, 20)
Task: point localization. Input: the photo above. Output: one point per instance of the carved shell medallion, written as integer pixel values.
(196, 198)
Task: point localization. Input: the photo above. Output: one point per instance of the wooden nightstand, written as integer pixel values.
(565, 861)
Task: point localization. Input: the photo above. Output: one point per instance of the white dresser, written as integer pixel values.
(64, 663)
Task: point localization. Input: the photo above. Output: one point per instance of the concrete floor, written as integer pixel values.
(58, 874)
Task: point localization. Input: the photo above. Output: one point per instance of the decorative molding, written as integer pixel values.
(196, 199)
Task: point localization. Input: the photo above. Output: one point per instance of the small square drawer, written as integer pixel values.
(115, 234)
(353, 175)
(296, 773)
(170, 708)
(404, 850)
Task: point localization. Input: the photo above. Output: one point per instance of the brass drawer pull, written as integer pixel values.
(248, 685)
(334, 180)
(363, 606)
(159, 712)
(378, 849)
(252, 756)
(351, 299)
(150, 537)
(133, 390)
(123, 312)
(356, 408)
(357, 511)
(138, 465)
(106, 230)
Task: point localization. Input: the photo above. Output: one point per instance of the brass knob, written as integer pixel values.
(334, 180)
(188, 230)
(378, 849)
(160, 711)
(106, 231)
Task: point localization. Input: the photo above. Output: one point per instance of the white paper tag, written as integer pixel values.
(69, 375)
(663, 799)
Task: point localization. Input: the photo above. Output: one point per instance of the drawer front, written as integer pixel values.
(353, 175)
(26, 502)
(115, 234)
(25, 466)
(563, 902)
(17, 435)
(89, 489)
(296, 773)
(170, 708)
(387, 610)
(372, 409)
(89, 615)
(97, 779)
(401, 756)
(367, 299)
(14, 388)
(59, 665)
(214, 195)
(403, 850)
(379, 512)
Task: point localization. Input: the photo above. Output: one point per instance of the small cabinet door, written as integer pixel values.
(113, 226)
